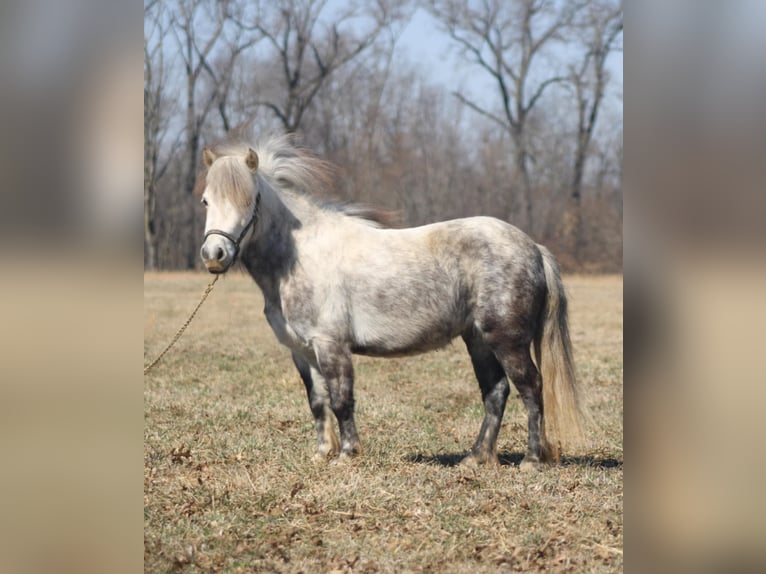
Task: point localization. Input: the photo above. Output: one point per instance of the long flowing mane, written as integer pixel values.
(287, 166)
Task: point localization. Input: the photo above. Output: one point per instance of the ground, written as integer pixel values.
(229, 484)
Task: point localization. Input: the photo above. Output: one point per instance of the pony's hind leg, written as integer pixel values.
(336, 367)
(494, 392)
(518, 365)
(319, 401)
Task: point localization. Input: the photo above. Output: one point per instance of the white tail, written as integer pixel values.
(563, 416)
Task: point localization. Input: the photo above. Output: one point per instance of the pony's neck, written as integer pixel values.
(270, 253)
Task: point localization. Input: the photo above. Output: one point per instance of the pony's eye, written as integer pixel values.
(204, 202)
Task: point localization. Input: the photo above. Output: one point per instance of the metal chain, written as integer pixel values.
(180, 332)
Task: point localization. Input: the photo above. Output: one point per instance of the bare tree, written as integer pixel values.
(604, 26)
(330, 71)
(601, 26)
(311, 43)
(505, 38)
(221, 70)
(157, 115)
(201, 33)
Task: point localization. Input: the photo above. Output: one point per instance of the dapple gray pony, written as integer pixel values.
(336, 282)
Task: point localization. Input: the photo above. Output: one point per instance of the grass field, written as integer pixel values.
(229, 484)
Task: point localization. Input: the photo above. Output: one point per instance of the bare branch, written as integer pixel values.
(478, 109)
(539, 92)
(301, 31)
(276, 109)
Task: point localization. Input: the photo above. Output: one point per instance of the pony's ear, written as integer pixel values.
(251, 160)
(208, 156)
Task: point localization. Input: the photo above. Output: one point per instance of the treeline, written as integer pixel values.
(535, 148)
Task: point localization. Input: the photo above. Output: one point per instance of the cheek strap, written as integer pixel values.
(250, 223)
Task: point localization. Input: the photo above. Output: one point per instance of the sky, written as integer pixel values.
(424, 44)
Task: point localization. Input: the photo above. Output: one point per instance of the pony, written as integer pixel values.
(337, 280)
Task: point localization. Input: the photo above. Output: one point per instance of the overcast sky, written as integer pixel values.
(424, 44)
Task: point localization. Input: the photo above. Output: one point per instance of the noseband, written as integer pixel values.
(237, 240)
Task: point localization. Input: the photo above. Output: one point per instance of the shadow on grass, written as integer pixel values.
(514, 458)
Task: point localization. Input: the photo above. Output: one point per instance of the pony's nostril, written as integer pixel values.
(219, 254)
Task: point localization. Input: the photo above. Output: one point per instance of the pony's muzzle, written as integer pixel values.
(214, 267)
(215, 257)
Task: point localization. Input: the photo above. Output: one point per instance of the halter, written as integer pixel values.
(237, 240)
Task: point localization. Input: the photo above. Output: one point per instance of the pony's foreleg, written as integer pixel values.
(319, 401)
(336, 367)
(494, 392)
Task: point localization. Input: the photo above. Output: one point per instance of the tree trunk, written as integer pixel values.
(192, 151)
(150, 238)
(188, 243)
(522, 183)
(573, 232)
(150, 165)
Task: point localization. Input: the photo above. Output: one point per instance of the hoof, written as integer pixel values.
(320, 458)
(530, 464)
(473, 461)
(469, 462)
(344, 458)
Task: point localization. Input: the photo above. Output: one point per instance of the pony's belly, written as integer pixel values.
(388, 350)
(389, 338)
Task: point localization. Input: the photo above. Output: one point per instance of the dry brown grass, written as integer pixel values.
(229, 484)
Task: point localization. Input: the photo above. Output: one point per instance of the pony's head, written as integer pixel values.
(231, 198)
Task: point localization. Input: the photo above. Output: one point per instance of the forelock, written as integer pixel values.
(230, 178)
